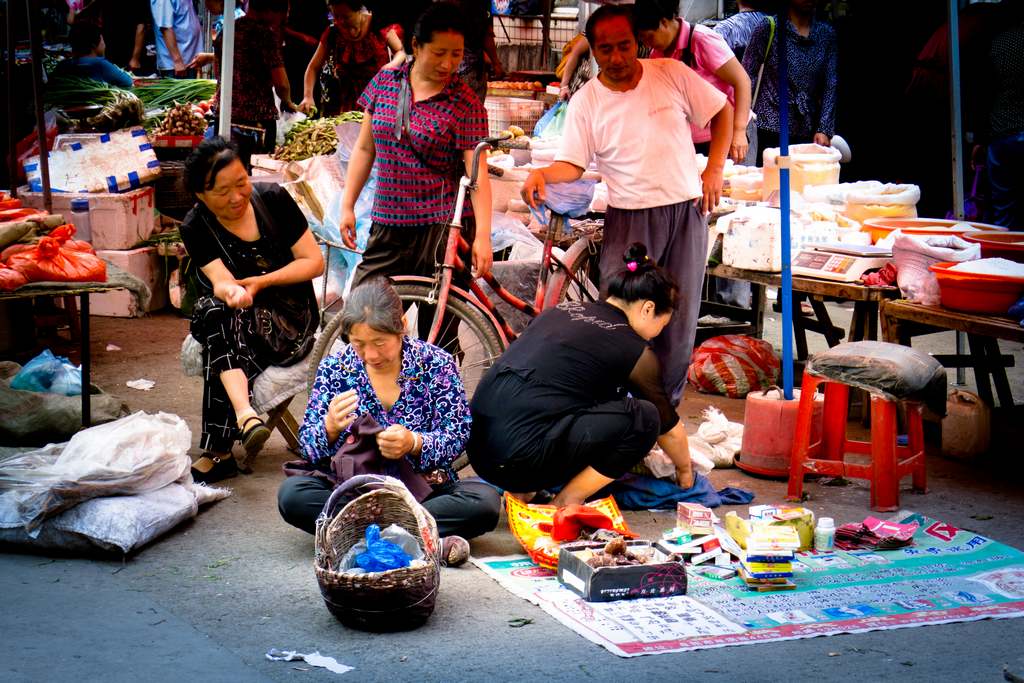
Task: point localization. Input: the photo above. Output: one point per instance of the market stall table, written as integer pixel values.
(82, 290)
(864, 324)
(902, 320)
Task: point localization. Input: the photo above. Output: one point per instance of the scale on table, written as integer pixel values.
(841, 262)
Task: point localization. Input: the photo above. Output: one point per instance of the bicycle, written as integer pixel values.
(481, 333)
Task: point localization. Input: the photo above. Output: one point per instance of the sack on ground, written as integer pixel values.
(49, 373)
(733, 365)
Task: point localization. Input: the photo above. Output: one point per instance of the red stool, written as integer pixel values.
(889, 462)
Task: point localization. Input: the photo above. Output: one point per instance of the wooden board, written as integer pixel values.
(827, 288)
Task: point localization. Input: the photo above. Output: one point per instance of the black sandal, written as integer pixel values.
(223, 468)
(254, 434)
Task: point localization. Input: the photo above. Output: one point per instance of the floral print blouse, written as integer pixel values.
(432, 403)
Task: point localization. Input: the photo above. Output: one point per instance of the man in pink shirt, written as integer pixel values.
(705, 52)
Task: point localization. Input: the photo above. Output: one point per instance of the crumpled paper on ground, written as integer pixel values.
(313, 659)
(141, 384)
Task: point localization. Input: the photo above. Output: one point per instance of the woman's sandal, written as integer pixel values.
(254, 434)
(223, 468)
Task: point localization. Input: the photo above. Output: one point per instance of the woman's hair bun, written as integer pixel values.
(636, 253)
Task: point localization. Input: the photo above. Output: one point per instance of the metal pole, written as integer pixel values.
(956, 129)
(83, 308)
(12, 130)
(227, 69)
(787, 272)
(36, 43)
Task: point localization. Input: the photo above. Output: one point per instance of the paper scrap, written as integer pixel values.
(313, 659)
(113, 347)
(141, 384)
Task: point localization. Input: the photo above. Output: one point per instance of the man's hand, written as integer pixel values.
(738, 150)
(340, 412)
(483, 255)
(712, 181)
(347, 226)
(395, 442)
(533, 191)
(134, 64)
(179, 68)
(201, 60)
(822, 139)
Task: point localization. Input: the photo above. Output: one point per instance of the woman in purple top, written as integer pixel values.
(414, 391)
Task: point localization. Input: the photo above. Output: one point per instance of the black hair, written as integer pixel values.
(376, 304)
(438, 18)
(354, 5)
(208, 159)
(277, 6)
(604, 13)
(649, 13)
(84, 37)
(643, 280)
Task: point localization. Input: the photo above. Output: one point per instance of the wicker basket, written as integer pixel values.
(172, 199)
(395, 600)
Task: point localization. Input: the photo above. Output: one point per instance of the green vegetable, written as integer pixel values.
(169, 91)
(75, 91)
(313, 137)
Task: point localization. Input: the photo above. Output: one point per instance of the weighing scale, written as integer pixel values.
(840, 262)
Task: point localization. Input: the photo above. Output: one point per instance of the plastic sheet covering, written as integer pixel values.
(132, 455)
(889, 370)
(520, 278)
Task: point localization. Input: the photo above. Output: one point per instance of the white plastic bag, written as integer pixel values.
(662, 467)
(914, 253)
(285, 123)
(132, 455)
(717, 439)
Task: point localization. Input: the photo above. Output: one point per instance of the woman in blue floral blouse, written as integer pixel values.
(414, 391)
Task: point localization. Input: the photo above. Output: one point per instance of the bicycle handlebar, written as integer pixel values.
(485, 144)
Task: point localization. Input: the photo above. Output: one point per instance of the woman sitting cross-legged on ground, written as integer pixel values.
(553, 410)
(256, 260)
(413, 390)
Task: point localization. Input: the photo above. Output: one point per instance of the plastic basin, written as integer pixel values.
(1008, 245)
(976, 292)
(880, 227)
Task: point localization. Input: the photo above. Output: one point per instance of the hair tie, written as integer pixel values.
(631, 266)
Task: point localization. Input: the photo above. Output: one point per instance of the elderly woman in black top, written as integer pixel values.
(256, 259)
(553, 410)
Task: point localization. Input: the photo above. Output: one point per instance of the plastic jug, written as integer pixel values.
(80, 219)
(769, 424)
(810, 164)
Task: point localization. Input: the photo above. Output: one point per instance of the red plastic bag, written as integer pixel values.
(63, 235)
(733, 365)
(48, 261)
(10, 279)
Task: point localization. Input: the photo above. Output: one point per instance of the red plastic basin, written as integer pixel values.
(1008, 245)
(976, 292)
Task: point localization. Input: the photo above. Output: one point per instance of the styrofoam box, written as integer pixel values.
(144, 263)
(117, 221)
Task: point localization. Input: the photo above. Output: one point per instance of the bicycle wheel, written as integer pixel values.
(578, 281)
(322, 347)
(474, 343)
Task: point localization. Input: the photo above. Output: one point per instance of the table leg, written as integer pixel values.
(981, 370)
(86, 361)
(833, 335)
(799, 332)
(998, 372)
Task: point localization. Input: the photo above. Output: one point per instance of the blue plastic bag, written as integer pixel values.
(570, 199)
(381, 555)
(1017, 311)
(50, 374)
(551, 123)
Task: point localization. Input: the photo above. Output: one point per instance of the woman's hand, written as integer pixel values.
(483, 255)
(252, 286)
(307, 106)
(395, 442)
(738, 149)
(237, 296)
(348, 227)
(822, 139)
(340, 413)
(200, 60)
(685, 477)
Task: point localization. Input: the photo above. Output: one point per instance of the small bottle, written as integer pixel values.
(80, 219)
(825, 535)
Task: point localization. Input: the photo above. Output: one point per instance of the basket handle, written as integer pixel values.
(354, 487)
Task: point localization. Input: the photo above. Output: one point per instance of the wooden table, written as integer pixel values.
(902, 320)
(82, 290)
(864, 324)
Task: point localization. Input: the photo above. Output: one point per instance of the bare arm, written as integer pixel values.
(677, 447)
(359, 165)
(279, 78)
(481, 200)
(139, 48)
(225, 286)
(491, 51)
(299, 35)
(309, 78)
(533, 191)
(171, 41)
(721, 139)
(397, 50)
(307, 264)
(579, 48)
(732, 72)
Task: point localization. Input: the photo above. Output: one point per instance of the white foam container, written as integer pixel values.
(118, 221)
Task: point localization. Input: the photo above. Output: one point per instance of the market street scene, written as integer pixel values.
(500, 339)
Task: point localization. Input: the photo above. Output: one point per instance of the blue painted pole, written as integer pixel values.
(787, 272)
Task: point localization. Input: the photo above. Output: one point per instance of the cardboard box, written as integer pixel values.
(660, 578)
(144, 263)
(694, 518)
(117, 220)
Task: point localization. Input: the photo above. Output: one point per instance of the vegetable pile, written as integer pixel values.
(182, 119)
(313, 137)
(170, 91)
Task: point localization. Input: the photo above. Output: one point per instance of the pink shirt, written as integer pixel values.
(710, 53)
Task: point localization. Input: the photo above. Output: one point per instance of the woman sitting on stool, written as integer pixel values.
(553, 410)
(413, 390)
(256, 259)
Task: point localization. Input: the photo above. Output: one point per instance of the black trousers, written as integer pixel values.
(220, 329)
(610, 437)
(463, 508)
(415, 250)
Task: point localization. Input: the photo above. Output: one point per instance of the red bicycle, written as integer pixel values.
(467, 323)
